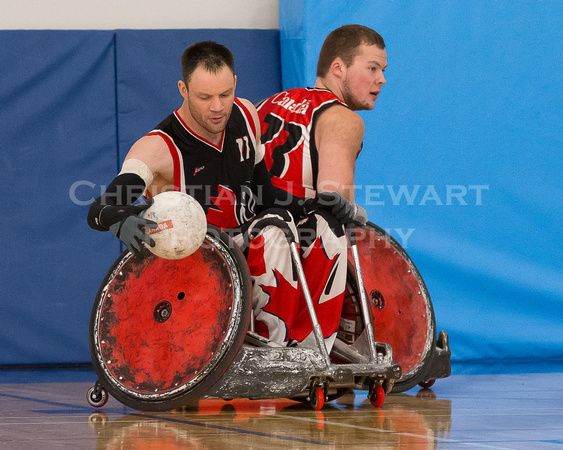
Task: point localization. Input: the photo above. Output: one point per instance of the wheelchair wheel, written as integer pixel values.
(400, 304)
(162, 331)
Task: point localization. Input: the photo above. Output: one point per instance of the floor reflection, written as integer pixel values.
(405, 421)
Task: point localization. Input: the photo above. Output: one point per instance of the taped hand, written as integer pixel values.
(125, 223)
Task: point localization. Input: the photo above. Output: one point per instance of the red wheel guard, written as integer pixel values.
(399, 302)
(162, 321)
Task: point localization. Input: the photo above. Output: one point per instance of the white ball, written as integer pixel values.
(181, 225)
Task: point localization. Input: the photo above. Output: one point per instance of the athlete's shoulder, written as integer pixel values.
(244, 103)
(278, 97)
(248, 111)
(339, 112)
(153, 150)
(164, 123)
(340, 120)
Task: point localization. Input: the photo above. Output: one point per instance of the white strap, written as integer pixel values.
(138, 167)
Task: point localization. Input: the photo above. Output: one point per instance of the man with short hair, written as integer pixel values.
(206, 148)
(312, 138)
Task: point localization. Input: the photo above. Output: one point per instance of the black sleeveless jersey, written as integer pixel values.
(218, 177)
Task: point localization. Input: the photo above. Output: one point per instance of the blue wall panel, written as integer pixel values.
(72, 102)
(58, 129)
(472, 106)
(468, 129)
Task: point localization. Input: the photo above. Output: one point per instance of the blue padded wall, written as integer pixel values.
(58, 130)
(72, 102)
(463, 158)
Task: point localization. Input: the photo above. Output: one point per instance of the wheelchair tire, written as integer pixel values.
(400, 305)
(162, 332)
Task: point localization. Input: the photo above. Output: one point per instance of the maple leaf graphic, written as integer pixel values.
(223, 214)
(288, 303)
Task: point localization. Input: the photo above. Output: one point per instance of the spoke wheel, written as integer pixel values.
(399, 304)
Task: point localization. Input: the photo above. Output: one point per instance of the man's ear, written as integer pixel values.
(183, 89)
(338, 68)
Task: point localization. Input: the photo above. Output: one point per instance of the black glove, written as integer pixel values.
(360, 215)
(336, 204)
(276, 217)
(116, 203)
(124, 222)
(129, 231)
(111, 214)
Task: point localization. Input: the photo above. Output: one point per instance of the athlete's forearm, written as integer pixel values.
(269, 196)
(108, 209)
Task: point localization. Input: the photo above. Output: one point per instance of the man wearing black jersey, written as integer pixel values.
(210, 148)
(207, 148)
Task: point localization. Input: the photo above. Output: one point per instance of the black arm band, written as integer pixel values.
(269, 196)
(124, 190)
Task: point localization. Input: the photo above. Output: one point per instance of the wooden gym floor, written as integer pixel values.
(48, 409)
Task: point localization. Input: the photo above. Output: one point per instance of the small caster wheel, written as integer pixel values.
(317, 398)
(427, 384)
(97, 396)
(377, 396)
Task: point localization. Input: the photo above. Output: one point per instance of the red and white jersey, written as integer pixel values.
(288, 127)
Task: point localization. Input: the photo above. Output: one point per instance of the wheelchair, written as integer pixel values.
(166, 333)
